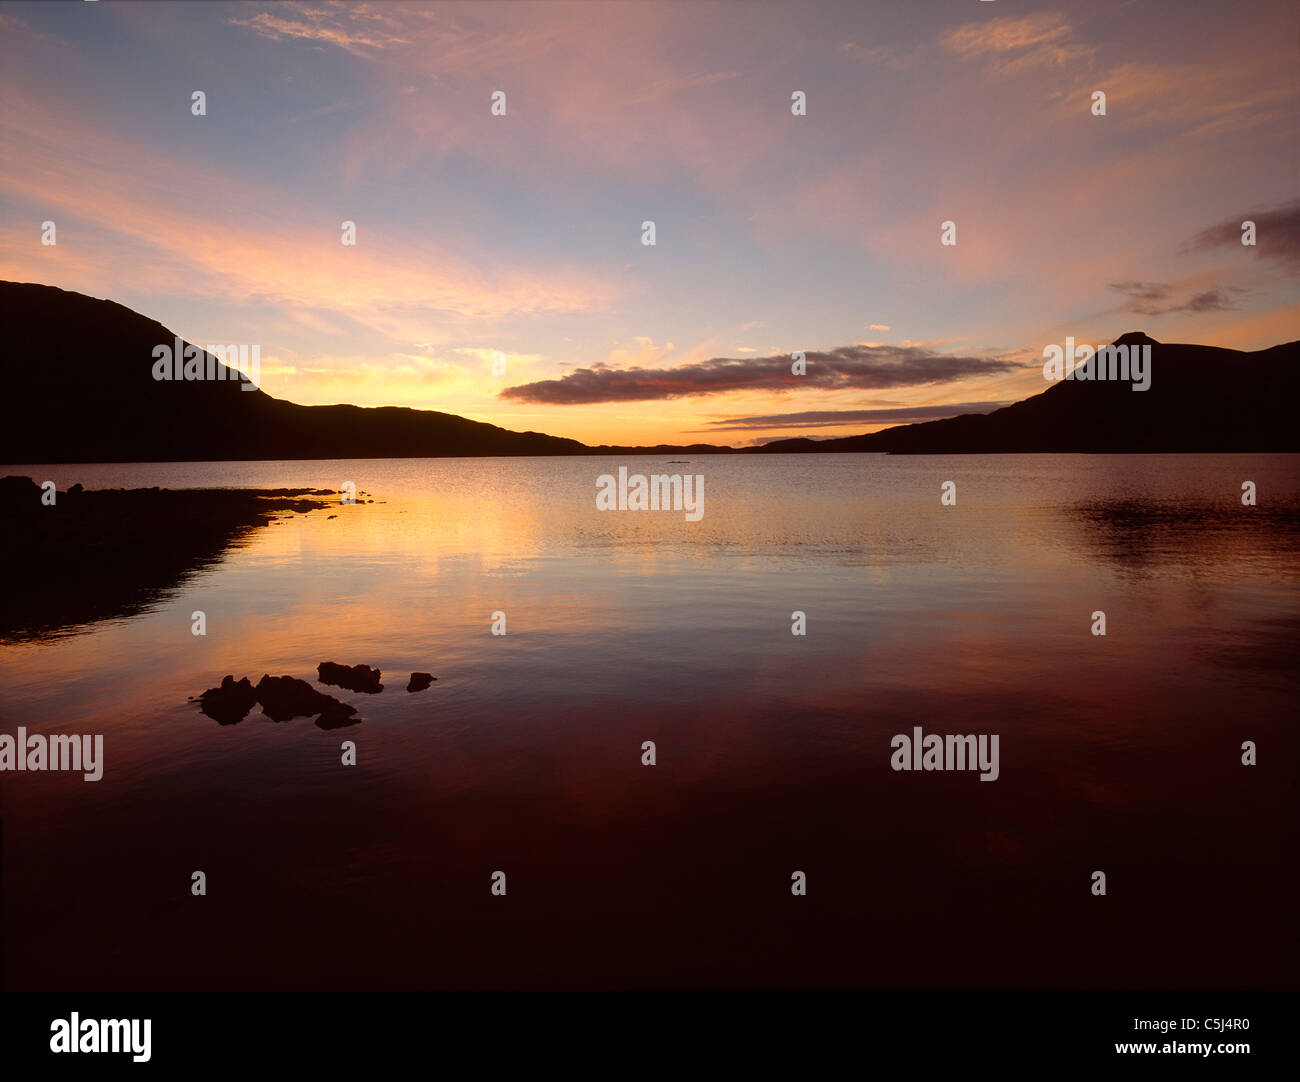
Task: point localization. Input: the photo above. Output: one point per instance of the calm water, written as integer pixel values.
(1119, 753)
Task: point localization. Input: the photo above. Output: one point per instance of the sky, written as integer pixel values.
(499, 270)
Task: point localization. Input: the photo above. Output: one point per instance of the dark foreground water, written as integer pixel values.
(1119, 754)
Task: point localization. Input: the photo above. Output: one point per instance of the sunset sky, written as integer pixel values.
(775, 233)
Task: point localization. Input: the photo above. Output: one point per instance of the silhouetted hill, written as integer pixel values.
(79, 387)
(1201, 398)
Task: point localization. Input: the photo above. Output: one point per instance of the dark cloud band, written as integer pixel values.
(1277, 234)
(837, 418)
(872, 368)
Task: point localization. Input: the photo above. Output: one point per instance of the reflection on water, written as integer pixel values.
(1119, 753)
(105, 555)
(1144, 536)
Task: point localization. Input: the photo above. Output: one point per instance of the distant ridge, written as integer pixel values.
(1201, 398)
(79, 387)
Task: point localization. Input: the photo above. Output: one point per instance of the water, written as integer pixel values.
(1120, 754)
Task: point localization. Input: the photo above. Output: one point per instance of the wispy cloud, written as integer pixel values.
(359, 29)
(1013, 43)
(187, 225)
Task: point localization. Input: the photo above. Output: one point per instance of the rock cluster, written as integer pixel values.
(285, 697)
(281, 697)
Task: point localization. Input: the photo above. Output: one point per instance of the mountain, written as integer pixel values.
(1201, 398)
(79, 387)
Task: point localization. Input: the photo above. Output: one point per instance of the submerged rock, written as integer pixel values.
(283, 697)
(230, 702)
(353, 677)
(420, 681)
(337, 715)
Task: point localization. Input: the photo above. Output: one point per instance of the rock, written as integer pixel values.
(230, 702)
(352, 677)
(283, 697)
(337, 715)
(420, 681)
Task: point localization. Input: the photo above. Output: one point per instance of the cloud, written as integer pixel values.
(1277, 234)
(841, 418)
(188, 232)
(356, 29)
(1212, 300)
(612, 85)
(848, 367)
(1015, 43)
(1154, 299)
